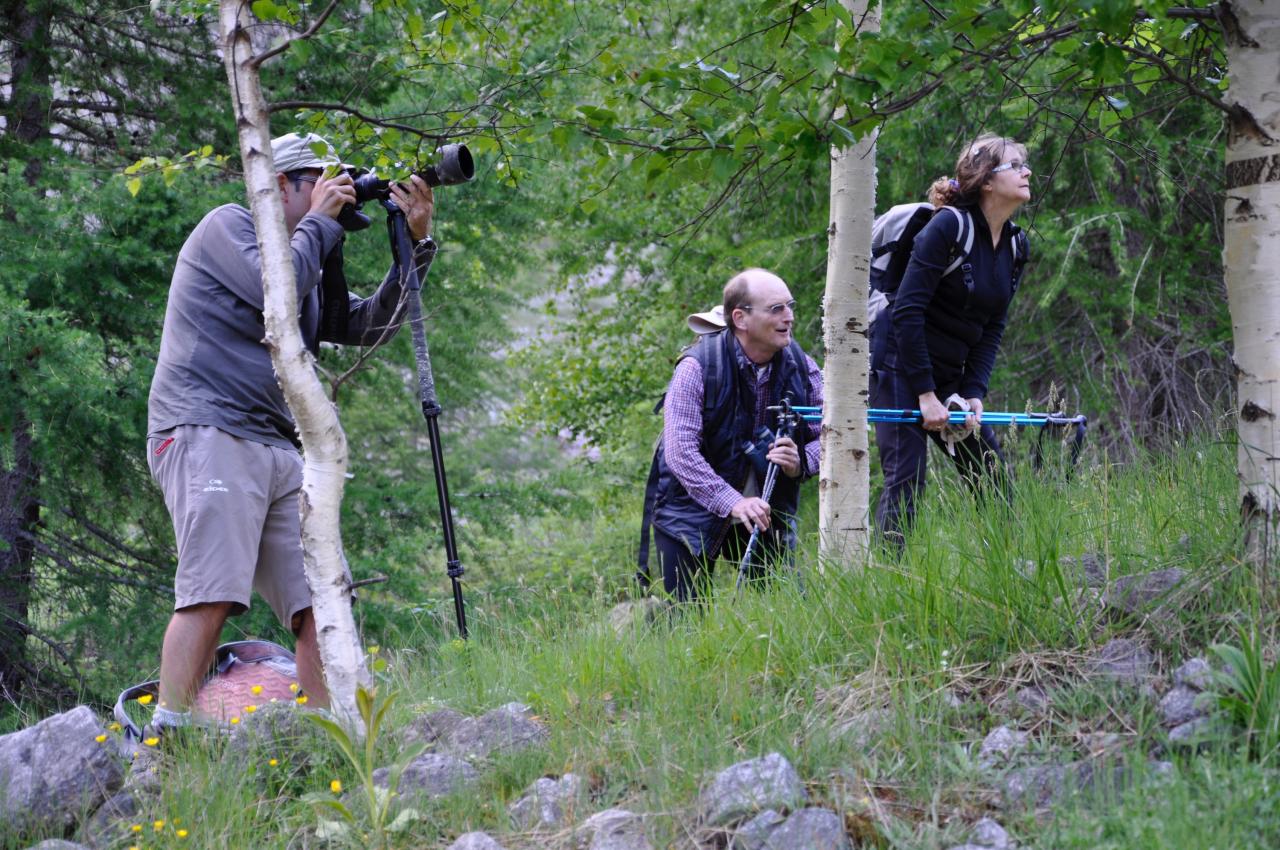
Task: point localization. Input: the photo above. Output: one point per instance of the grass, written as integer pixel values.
(979, 606)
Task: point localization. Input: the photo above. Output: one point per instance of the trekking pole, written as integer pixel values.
(957, 417)
(402, 256)
(786, 421)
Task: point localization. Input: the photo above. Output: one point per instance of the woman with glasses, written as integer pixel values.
(944, 329)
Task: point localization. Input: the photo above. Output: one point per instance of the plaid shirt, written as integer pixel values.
(682, 431)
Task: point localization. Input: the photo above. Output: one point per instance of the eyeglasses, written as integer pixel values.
(776, 309)
(1012, 165)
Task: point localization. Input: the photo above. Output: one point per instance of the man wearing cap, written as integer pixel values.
(708, 490)
(221, 443)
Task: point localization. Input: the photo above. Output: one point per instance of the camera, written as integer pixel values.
(455, 166)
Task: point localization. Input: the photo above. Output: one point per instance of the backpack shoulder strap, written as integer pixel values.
(1021, 253)
(964, 237)
(646, 518)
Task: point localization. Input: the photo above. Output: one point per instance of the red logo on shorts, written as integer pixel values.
(160, 448)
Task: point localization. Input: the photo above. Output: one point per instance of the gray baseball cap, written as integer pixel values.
(291, 152)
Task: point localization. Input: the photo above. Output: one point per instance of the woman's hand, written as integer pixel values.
(975, 408)
(933, 412)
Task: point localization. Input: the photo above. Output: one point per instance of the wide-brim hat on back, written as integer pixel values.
(292, 152)
(709, 322)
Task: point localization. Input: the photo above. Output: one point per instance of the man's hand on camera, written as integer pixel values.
(331, 194)
(786, 455)
(418, 202)
(753, 512)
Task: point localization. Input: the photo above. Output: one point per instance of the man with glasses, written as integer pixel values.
(221, 443)
(713, 456)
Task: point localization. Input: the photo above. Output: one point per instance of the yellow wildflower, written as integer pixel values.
(273, 763)
(235, 720)
(182, 833)
(145, 699)
(137, 827)
(256, 689)
(302, 700)
(114, 727)
(151, 742)
(336, 786)
(373, 650)
(293, 687)
(250, 709)
(100, 738)
(158, 825)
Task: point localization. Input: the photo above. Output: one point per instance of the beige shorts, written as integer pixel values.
(234, 505)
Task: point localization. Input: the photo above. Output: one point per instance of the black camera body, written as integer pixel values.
(455, 166)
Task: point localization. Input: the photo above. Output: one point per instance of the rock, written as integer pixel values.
(109, 825)
(612, 829)
(430, 775)
(753, 834)
(277, 730)
(809, 829)
(1045, 785)
(1179, 706)
(1000, 746)
(54, 771)
(1091, 569)
(1033, 698)
(506, 729)
(475, 841)
(1138, 593)
(988, 833)
(1195, 733)
(431, 727)
(1122, 660)
(627, 615)
(862, 729)
(57, 844)
(768, 782)
(548, 803)
(1195, 673)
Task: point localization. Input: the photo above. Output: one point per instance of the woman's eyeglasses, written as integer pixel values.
(1012, 165)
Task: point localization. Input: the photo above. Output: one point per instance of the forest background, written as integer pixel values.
(616, 192)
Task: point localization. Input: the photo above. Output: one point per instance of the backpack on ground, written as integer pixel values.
(238, 669)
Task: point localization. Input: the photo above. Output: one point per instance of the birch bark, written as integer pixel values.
(1251, 262)
(324, 445)
(844, 474)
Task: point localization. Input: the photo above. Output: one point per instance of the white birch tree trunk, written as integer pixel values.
(844, 481)
(324, 444)
(1251, 263)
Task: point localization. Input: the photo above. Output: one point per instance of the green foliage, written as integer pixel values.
(361, 756)
(1249, 691)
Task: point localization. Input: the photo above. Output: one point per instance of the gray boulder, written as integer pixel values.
(109, 825)
(1045, 785)
(809, 829)
(430, 775)
(866, 727)
(1001, 745)
(1197, 733)
(753, 834)
(475, 841)
(1123, 661)
(1195, 673)
(548, 803)
(431, 727)
(506, 729)
(988, 833)
(1033, 699)
(1143, 592)
(1090, 569)
(768, 782)
(612, 829)
(55, 771)
(1180, 705)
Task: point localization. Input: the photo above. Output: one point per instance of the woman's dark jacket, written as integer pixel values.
(944, 337)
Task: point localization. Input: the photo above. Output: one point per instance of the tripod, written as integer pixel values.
(403, 259)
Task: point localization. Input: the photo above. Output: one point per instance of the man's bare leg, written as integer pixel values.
(310, 668)
(187, 653)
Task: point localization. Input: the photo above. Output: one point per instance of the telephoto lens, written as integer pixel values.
(455, 166)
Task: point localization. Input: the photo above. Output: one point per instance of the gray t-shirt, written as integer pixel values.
(213, 368)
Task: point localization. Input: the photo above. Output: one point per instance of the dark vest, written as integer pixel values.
(729, 425)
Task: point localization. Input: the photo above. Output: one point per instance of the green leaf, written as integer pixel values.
(134, 185)
(265, 10)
